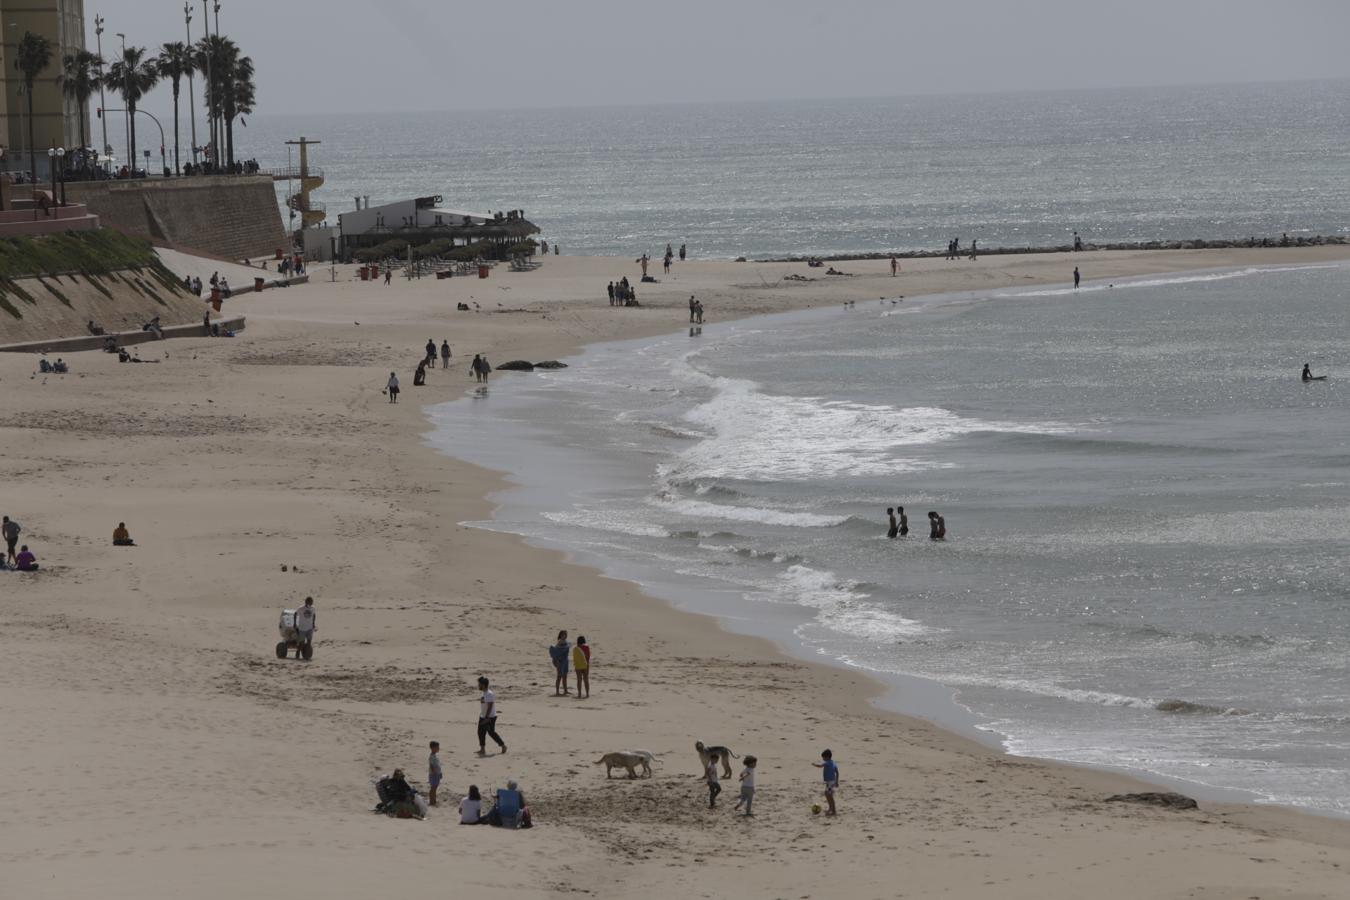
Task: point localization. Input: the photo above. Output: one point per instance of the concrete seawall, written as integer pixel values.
(124, 338)
(233, 217)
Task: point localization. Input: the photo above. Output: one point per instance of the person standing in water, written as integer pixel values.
(895, 527)
(937, 527)
(1076, 277)
(904, 521)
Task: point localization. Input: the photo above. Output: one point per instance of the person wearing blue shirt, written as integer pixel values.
(831, 774)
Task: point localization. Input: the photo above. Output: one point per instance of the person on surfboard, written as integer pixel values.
(1309, 376)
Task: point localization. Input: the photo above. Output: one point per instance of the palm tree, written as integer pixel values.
(79, 80)
(34, 55)
(214, 56)
(175, 62)
(240, 94)
(132, 76)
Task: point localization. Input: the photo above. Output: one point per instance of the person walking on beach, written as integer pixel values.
(1076, 277)
(388, 274)
(306, 623)
(748, 785)
(487, 717)
(895, 265)
(560, 652)
(937, 527)
(10, 530)
(904, 521)
(830, 771)
(431, 353)
(445, 354)
(581, 662)
(895, 526)
(642, 261)
(692, 306)
(974, 247)
(433, 772)
(710, 775)
(392, 388)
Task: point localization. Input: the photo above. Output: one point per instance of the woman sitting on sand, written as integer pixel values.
(471, 808)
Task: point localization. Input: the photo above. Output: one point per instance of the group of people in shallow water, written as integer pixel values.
(899, 524)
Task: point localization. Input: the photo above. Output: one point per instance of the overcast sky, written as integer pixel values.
(355, 55)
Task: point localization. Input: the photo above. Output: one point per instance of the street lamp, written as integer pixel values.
(102, 103)
(56, 157)
(210, 84)
(192, 101)
(126, 115)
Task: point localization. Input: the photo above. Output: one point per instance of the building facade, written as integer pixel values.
(56, 119)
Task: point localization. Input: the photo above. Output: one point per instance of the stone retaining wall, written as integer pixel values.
(232, 217)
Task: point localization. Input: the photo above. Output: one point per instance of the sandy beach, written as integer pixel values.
(155, 747)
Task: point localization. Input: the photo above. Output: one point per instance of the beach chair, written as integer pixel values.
(506, 811)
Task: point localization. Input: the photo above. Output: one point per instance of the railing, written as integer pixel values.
(290, 173)
(295, 204)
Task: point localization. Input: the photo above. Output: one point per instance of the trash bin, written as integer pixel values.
(374, 271)
(257, 285)
(365, 273)
(483, 271)
(279, 253)
(215, 301)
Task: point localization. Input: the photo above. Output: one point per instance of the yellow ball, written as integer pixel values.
(815, 809)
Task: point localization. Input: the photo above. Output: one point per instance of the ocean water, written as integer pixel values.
(1147, 511)
(819, 177)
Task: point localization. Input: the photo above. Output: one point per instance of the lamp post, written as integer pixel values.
(127, 116)
(56, 157)
(102, 103)
(192, 101)
(210, 84)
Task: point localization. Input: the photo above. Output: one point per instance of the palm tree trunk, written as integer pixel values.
(176, 167)
(32, 157)
(229, 139)
(131, 106)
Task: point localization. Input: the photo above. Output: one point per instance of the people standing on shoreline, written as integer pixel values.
(1076, 276)
(1077, 243)
(431, 353)
(698, 312)
(445, 354)
(581, 662)
(937, 527)
(487, 717)
(610, 291)
(692, 307)
(974, 247)
(682, 252)
(560, 652)
(894, 528)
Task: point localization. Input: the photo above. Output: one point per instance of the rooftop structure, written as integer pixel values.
(425, 219)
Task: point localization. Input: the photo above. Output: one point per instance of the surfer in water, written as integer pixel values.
(895, 527)
(1309, 376)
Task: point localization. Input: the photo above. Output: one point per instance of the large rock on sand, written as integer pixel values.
(516, 365)
(550, 364)
(1167, 800)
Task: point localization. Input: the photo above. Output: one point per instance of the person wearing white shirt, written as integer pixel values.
(306, 621)
(471, 808)
(487, 717)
